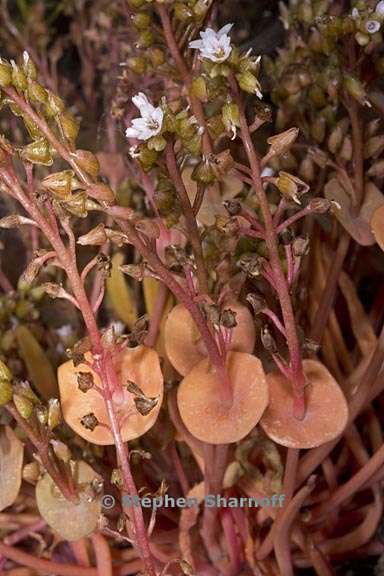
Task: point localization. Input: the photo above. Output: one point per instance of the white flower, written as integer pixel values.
(380, 8)
(151, 120)
(215, 46)
(372, 26)
(355, 14)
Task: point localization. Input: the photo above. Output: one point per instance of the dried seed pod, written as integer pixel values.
(139, 365)
(326, 414)
(87, 161)
(101, 192)
(37, 152)
(183, 342)
(59, 184)
(203, 409)
(95, 237)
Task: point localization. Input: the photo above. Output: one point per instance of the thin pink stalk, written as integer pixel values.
(103, 555)
(298, 380)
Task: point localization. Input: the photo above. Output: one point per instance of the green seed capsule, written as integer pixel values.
(23, 405)
(5, 373)
(37, 93)
(5, 392)
(141, 20)
(19, 80)
(54, 105)
(5, 74)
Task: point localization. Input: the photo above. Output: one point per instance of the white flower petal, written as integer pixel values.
(225, 29)
(131, 132)
(380, 8)
(140, 100)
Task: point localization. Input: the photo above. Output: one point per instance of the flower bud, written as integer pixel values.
(203, 172)
(38, 152)
(374, 146)
(147, 158)
(24, 406)
(377, 169)
(54, 413)
(145, 39)
(199, 89)
(141, 20)
(318, 129)
(346, 151)
(200, 8)
(61, 450)
(42, 414)
(19, 79)
(249, 83)
(231, 117)
(183, 12)
(157, 143)
(37, 94)
(137, 64)
(355, 88)
(5, 74)
(5, 391)
(59, 184)
(54, 105)
(5, 373)
(29, 67)
(156, 56)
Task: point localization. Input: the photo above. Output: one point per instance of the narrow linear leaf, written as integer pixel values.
(119, 294)
(39, 367)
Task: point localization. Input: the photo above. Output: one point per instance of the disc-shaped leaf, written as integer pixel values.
(72, 521)
(11, 464)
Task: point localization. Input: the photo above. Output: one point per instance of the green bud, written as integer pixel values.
(5, 392)
(5, 74)
(136, 3)
(137, 64)
(37, 93)
(29, 67)
(24, 406)
(362, 39)
(141, 20)
(231, 117)
(54, 413)
(204, 172)
(42, 414)
(54, 105)
(199, 89)
(355, 88)
(193, 145)
(32, 127)
(249, 83)
(19, 79)
(200, 8)
(157, 143)
(156, 56)
(5, 373)
(147, 158)
(145, 39)
(317, 96)
(183, 12)
(318, 129)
